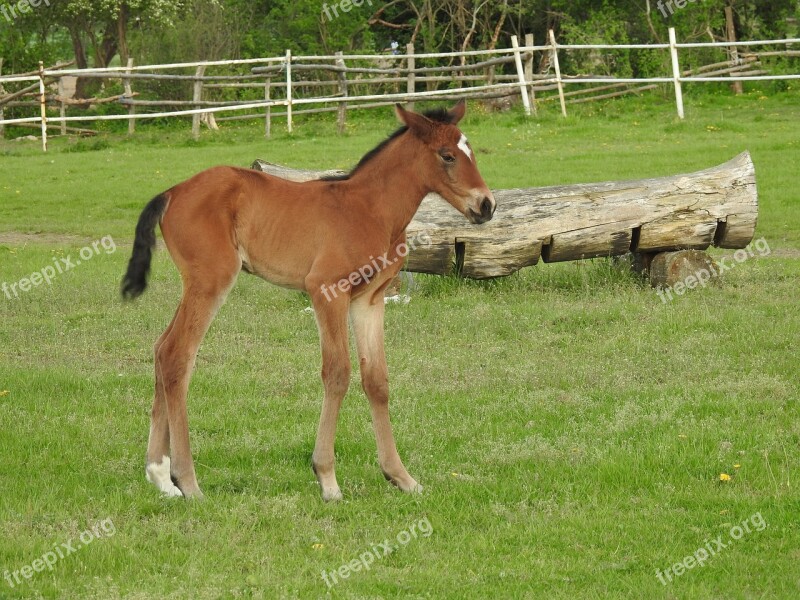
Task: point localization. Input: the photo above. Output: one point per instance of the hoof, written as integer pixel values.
(158, 475)
(330, 489)
(196, 495)
(412, 488)
(332, 495)
(405, 483)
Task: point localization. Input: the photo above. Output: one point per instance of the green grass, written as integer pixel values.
(569, 427)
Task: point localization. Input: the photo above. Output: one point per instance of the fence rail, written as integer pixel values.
(347, 82)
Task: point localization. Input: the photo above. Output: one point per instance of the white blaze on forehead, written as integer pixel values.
(462, 144)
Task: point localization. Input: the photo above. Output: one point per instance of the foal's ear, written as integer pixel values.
(420, 125)
(457, 112)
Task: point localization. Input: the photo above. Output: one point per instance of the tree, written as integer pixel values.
(100, 27)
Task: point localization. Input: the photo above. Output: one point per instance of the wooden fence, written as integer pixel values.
(289, 85)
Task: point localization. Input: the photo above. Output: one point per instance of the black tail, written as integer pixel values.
(135, 280)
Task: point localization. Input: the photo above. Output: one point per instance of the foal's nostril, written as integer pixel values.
(486, 208)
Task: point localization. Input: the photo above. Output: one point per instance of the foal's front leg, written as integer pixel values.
(367, 319)
(332, 323)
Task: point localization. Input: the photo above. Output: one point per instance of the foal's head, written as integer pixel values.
(448, 164)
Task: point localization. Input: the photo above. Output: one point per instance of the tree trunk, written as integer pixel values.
(80, 61)
(122, 33)
(107, 49)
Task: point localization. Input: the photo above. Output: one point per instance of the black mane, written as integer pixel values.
(439, 115)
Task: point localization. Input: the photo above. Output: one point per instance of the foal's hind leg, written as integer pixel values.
(367, 319)
(204, 292)
(158, 462)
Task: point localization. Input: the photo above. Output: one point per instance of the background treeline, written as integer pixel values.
(96, 33)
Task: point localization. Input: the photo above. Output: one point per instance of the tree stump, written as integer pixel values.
(681, 270)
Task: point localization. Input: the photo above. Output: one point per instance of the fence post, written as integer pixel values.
(196, 98)
(412, 64)
(129, 94)
(523, 86)
(2, 91)
(557, 68)
(733, 51)
(62, 109)
(490, 75)
(529, 72)
(676, 71)
(341, 115)
(268, 122)
(289, 90)
(43, 106)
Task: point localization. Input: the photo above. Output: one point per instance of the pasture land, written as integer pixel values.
(576, 436)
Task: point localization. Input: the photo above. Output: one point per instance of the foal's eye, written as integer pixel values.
(448, 158)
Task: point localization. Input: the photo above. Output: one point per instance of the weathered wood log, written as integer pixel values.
(716, 206)
(293, 174)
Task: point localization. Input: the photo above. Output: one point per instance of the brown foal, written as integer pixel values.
(319, 237)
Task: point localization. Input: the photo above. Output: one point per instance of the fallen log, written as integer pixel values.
(716, 206)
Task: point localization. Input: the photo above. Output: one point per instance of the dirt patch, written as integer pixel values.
(785, 253)
(14, 238)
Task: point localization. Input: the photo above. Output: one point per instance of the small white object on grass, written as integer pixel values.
(397, 299)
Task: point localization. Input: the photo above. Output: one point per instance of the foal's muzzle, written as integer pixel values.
(485, 211)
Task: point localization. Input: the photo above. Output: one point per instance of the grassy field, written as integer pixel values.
(569, 427)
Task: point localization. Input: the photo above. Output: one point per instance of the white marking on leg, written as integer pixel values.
(330, 494)
(158, 475)
(464, 147)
